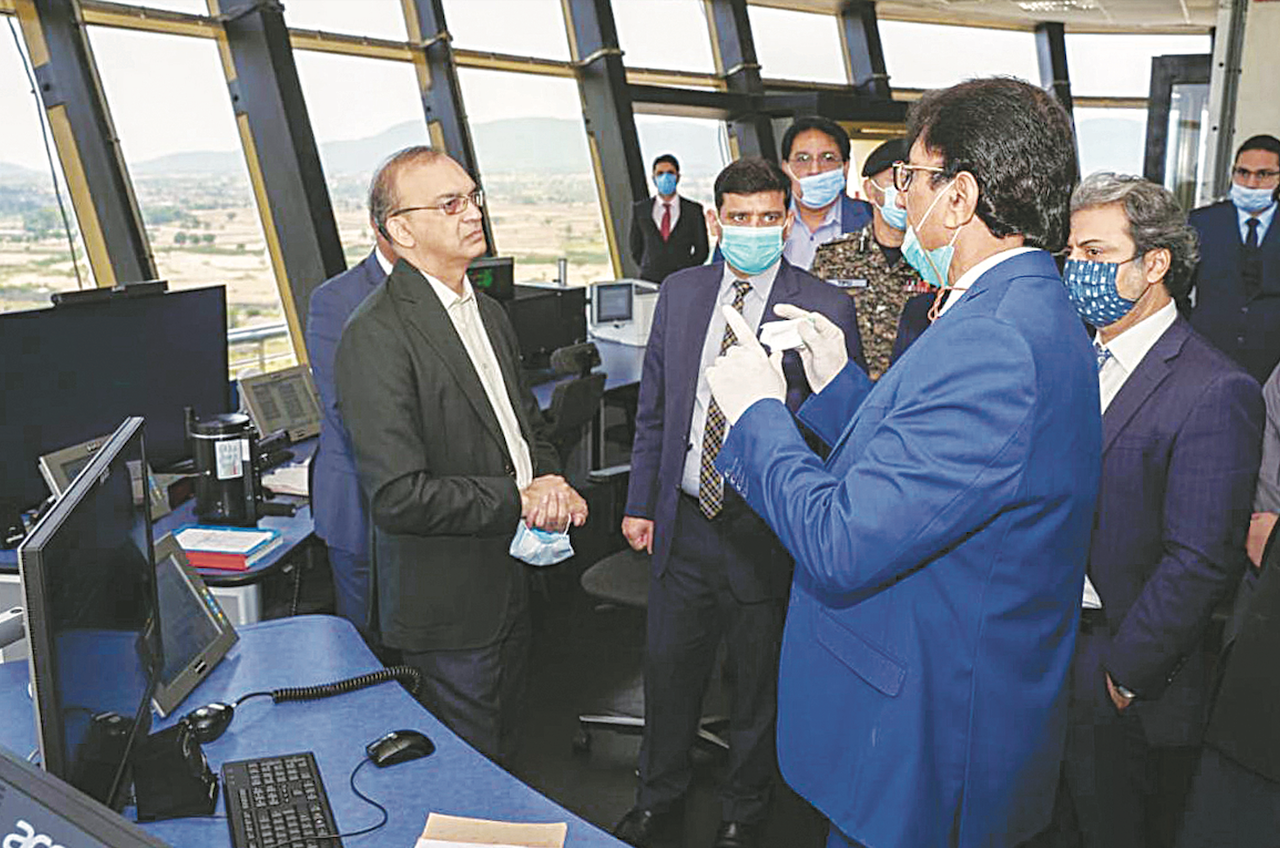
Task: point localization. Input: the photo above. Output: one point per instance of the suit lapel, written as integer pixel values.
(418, 305)
(785, 289)
(1150, 373)
(686, 346)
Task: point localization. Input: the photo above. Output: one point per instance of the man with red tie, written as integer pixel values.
(668, 232)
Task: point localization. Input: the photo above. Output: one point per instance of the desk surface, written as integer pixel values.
(621, 364)
(310, 650)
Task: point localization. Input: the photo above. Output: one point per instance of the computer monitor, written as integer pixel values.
(74, 372)
(39, 809)
(283, 400)
(611, 302)
(92, 621)
(494, 275)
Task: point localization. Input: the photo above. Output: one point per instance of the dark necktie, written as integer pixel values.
(666, 221)
(1251, 260)
(710, 483)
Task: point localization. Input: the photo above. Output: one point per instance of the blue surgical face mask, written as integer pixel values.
(820, 189)
(751, 249)
(893, 214)
(540, 547)
(666, 183)
(1091, 286)
(1252, 200)
(933, 265)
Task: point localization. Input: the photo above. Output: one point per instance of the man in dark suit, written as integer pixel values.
(815, 152)
(339, 511)
(668, 231)
(1182, 429)
(940, 547)
(717, 570)
(1237, 286)
(451, 453)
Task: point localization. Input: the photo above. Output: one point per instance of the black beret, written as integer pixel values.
(893, 150)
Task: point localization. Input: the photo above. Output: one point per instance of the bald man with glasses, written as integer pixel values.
(451, 452)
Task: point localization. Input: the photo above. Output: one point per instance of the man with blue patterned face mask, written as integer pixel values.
(815, 153)
(717, 571)
(667, 231)
(1182, 428)
(1237, 286)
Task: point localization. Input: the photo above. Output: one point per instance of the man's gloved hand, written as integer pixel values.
(745, 374)
(824, 354)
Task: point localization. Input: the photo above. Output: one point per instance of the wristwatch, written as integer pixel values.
(1125, 691)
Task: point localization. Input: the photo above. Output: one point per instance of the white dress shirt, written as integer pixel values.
(1127, 351)
(1264, 222)
(464, 312)
(968, 278)
(752, 310)
(659, 204)
(803, 243)
(384, 263)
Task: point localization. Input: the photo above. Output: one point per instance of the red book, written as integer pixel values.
(226, 548)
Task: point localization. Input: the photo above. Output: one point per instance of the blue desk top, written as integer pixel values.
(306, 651)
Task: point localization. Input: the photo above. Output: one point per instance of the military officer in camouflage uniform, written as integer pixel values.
(868, 264)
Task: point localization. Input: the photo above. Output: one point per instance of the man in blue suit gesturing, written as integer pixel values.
(940, 548)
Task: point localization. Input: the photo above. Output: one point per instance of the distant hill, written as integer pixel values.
(530, 145)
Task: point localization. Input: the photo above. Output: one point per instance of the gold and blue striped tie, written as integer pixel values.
(710, 481)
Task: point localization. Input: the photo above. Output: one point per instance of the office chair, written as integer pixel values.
(12, 632)
(574, 405)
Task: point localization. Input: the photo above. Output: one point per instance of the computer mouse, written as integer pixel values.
(399, 746)
(207, 723)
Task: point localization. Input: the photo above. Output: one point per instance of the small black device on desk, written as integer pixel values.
(399, 746)
(278, 801)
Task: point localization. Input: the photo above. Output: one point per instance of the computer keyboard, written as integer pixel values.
(274, 802)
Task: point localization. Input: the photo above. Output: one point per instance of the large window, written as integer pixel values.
(518, 27)
(668, 34)
(936, 56)
(1111, 139)
(362, 111)
(699, 144)
(376, 18)
(537, 175)
(797, 45)
(1120, 65)
(35, 258)
(170, 107)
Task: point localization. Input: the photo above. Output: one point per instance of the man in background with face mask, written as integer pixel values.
(940, 547)
(1237, 286)
(717, 570)
(815, 153)
(668, 232)
(868, 264)
(1182, 429)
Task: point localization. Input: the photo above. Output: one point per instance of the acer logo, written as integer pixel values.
(26, 837)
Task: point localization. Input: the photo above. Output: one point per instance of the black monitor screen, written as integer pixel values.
(189, 625)
(36, 809)
(92, 621)
(71, 373)
(494, 275)
(612, 302)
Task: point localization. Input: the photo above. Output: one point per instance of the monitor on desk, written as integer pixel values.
(283, 400)
(494, 275)
(611, 302)
(39, 809)
(74, 372)
(92, 622)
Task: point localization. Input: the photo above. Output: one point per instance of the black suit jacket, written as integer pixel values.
(434, 466)
(686, 246)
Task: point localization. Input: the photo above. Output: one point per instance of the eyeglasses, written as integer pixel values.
(902, 173)
(453, 205)
(826, 158)
(1244, 174)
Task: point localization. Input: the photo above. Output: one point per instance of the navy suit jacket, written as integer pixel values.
(685, 246)
(337, 506)
(940, 553)
(1243, 325)
(669, 382)
(1180, 452)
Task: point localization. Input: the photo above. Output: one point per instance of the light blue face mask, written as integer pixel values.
(1252, 200)
(751, 249)
(1091, 286)
(666, 183)
(540, 547)
(933, 265)
(893, 214)
(820, 189)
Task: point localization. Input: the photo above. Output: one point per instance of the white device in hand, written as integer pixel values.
(782, 335)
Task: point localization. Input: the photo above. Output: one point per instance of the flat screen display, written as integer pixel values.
(612, 302)
(71, 373)
(92, 620)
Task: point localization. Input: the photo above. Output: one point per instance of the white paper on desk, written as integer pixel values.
(288, 479)
(444, 831)
(782, 335)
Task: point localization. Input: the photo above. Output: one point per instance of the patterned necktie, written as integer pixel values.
(710, 483)
(666, 221)
(1102, 353)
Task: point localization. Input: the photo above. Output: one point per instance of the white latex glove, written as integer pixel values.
(745, 373)
(824, 354)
